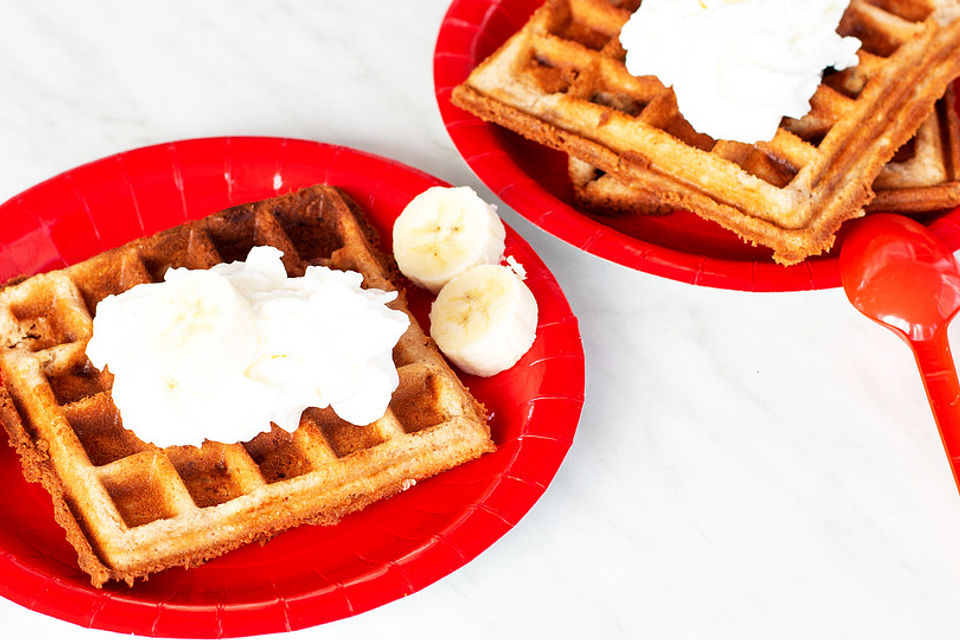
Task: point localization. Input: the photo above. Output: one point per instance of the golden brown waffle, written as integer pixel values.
(923, 176)
(130, 508)
(561, 81)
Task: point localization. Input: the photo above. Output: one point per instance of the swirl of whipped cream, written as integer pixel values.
(738, 67)
(219, 354)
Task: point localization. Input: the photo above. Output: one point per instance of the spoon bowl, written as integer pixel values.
(896, 272)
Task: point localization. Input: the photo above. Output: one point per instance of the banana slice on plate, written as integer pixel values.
(484, 319)
(443, 231)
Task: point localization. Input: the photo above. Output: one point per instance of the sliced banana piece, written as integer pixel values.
(444, 231)
(484, 319)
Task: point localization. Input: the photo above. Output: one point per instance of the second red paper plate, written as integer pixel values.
(533, 180)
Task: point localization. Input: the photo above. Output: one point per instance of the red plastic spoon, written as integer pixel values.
(898, 273)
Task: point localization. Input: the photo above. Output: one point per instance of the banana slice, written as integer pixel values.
(444, 231)
(484, 319)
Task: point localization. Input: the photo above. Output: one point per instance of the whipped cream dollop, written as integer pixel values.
(219, 354)
(738, 66)
(946, 11)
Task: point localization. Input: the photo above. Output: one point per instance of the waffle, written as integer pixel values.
(130, 508)
(561, 81)
(923, 176)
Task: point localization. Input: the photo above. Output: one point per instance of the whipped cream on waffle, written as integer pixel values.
(738, 66)
(219, 354)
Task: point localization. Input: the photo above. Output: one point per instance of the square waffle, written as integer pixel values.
(923, 176)
(561, 81)
(130, 508)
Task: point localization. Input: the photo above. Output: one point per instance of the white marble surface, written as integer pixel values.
(746, 466)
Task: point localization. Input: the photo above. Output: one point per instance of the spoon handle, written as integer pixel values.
(943, 391)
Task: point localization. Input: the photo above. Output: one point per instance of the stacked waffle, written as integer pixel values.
(561, 81)
(130, 508)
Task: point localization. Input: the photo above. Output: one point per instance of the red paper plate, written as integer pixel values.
(308, 575)
(533, 180)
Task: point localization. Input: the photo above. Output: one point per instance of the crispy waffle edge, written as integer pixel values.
(927, 191)
(34, 463)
